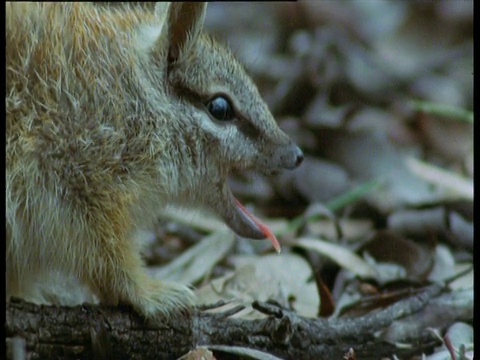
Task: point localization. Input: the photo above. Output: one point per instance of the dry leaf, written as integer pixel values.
(352, 229)
(197, 261)
(201, 353)
(244, 352)
(339, 254)
(283, 278)
(389, 247)
(456, 185)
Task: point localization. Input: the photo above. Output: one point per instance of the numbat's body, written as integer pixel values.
(111, 114)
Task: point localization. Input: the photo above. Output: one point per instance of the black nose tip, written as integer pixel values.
(300, 157)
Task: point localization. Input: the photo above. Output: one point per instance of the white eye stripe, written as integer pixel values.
(219, 130)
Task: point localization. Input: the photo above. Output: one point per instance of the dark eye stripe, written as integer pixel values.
(245, 126)
(248, 129)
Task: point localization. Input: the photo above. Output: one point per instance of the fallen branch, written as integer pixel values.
(98, 332)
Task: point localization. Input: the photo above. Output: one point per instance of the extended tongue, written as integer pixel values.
(261, 226)
(240, 220)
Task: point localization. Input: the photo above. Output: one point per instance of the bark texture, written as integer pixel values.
(99, 332)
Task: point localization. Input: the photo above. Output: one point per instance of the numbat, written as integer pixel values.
(113, 112)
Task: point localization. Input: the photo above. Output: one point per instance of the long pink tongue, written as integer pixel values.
(264, 228)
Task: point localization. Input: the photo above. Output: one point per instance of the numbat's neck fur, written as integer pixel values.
(113, 112)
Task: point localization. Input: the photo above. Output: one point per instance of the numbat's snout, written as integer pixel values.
(289, 157)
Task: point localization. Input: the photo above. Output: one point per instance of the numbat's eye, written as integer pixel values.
(220, 108)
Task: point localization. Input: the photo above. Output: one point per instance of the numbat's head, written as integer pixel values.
(145, 96)
(225, 123)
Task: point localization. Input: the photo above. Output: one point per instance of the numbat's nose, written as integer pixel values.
(299, 156)
(291, 157)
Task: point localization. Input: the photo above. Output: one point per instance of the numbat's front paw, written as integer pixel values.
(163, 298)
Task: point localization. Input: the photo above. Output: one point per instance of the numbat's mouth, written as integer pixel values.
(238, 218)
(241, 221)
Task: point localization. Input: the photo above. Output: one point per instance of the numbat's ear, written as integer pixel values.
(184, 21)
